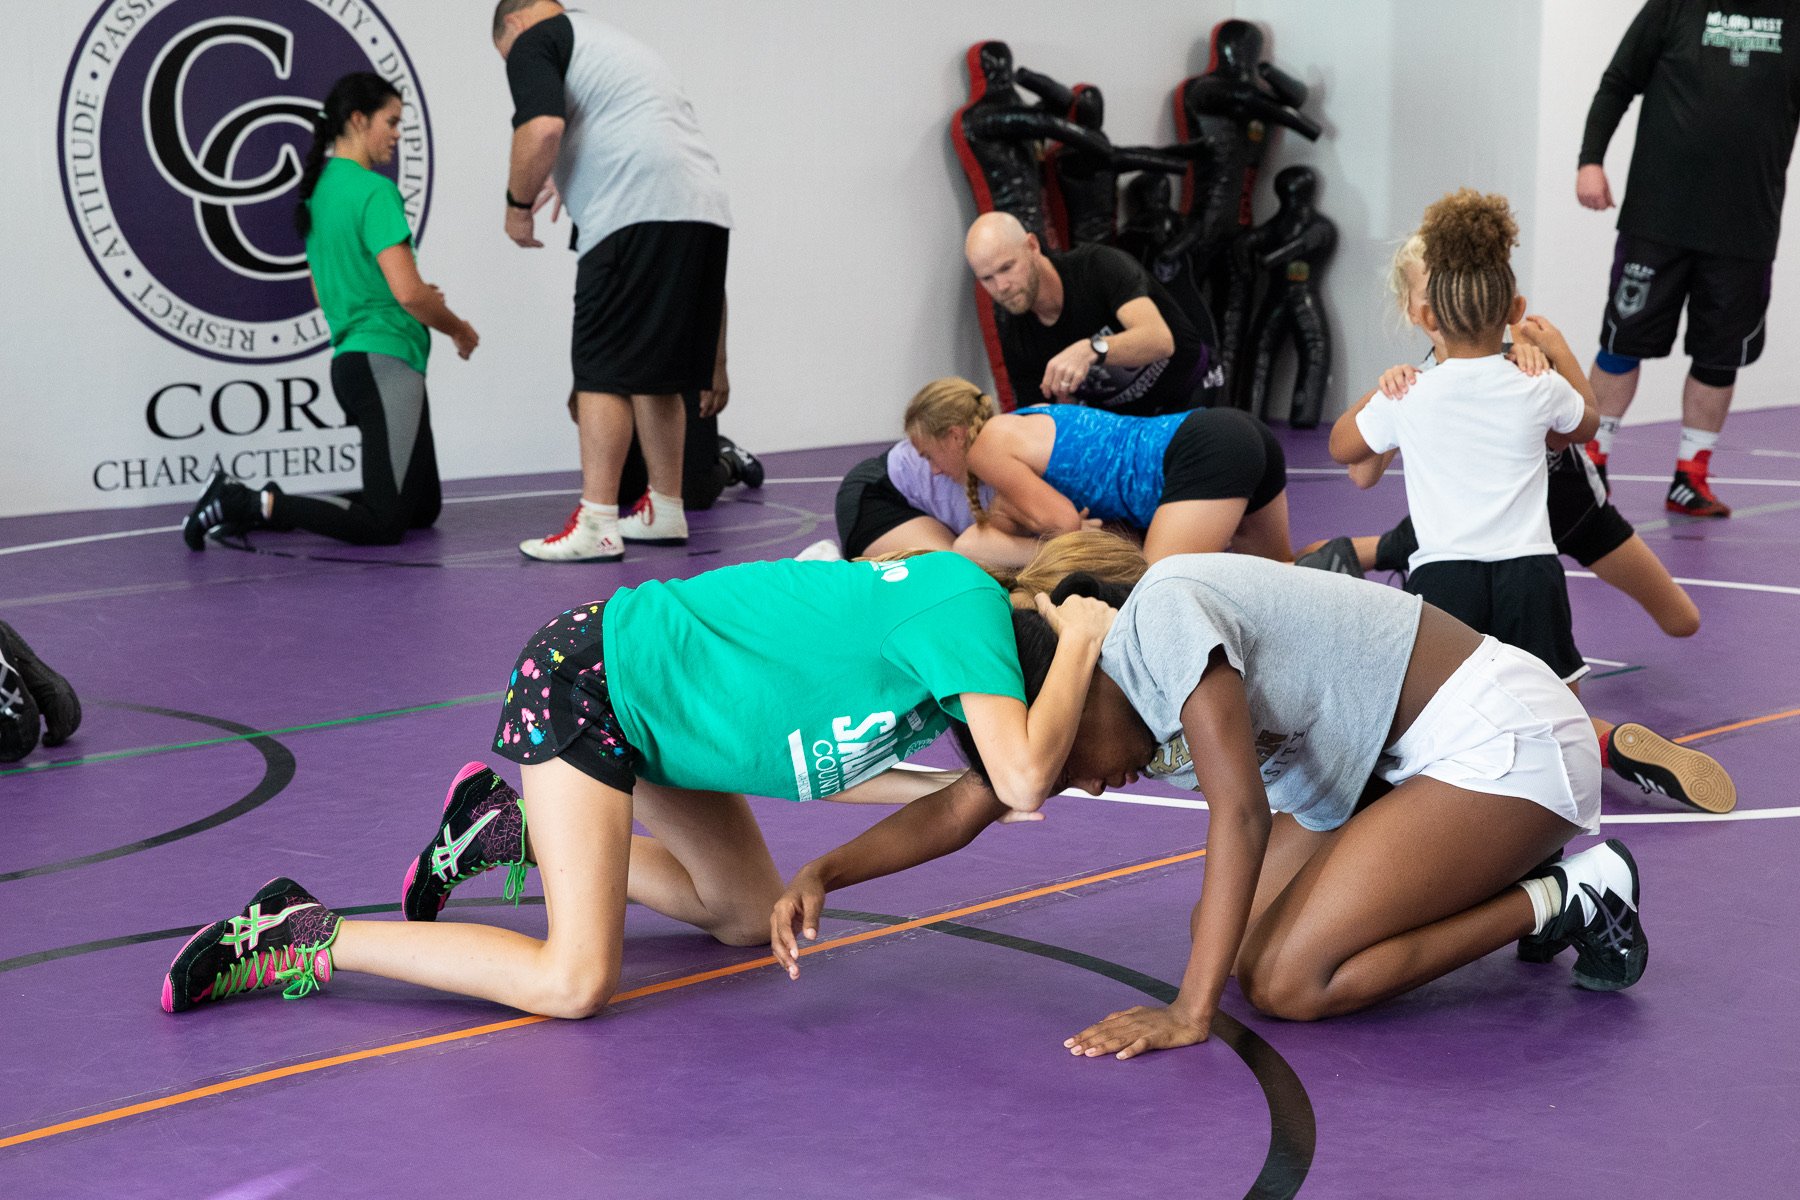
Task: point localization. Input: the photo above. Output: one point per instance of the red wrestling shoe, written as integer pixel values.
(1689, 492)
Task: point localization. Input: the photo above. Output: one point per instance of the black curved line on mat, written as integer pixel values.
(1293, 1130)
(242, 545)
(278, 772)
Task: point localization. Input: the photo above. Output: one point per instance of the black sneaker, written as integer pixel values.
(18, 713)
(225, 507)
(283, 936)
(56, 700)
(483, 827)
(1660, 767)
(744, 466)
(1337, 556)
(1600, 917)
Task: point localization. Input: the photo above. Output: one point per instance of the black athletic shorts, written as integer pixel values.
(557, 704)
(1583, 521)
(1223, 454)
(869, 506)
(1522, 601)
(1726, 301)
(648, 302)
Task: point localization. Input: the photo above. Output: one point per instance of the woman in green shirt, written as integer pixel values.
(788, 679)
(380, 312)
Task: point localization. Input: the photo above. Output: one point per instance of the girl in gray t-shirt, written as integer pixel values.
(1282, 694)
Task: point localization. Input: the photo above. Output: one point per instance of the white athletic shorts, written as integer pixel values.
(1506, 725)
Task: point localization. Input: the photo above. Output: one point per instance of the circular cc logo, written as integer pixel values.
(181, 135)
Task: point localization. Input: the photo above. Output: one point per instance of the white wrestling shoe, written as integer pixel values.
(655, 524)
(586, 538)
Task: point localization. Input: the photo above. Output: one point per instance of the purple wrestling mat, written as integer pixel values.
(299, 707)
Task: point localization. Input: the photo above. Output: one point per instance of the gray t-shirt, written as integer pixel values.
(631, 149)
(1322, 656)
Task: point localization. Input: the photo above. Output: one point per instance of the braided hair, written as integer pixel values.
(1468, 257)
(361, 92)
(943, 405)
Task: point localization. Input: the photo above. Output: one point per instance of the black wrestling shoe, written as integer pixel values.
(1541, 947)
(1337, 556)
(18, 713)
(225, 507)
(1600, 917)
(56, 700)
(745, 467)
(1657, 765)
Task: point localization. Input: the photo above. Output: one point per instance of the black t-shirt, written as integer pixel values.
(535, 68)
(1721, 105)
(1097, 282)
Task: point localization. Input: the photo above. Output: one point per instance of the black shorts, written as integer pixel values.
(557, 704)
(1223, 454)
(1726, 300)
(1522, 601)
(870, 506)
(648, 302)
(1583, 521)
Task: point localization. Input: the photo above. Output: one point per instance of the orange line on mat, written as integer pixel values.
(1706, 733)
(320, 1064)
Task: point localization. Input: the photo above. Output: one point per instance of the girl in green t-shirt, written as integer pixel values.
(801, 679)
(359, 247)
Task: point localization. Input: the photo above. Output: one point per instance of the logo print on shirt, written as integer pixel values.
(1742, 36)
(1275, 752)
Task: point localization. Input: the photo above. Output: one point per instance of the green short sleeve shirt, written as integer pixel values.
(356, 214)
(802, 679)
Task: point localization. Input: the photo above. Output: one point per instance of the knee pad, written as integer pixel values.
(1615, 364)
(1718, 377)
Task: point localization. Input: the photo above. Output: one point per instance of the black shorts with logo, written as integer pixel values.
(1726, 299)
(648, 302)
(869, 506)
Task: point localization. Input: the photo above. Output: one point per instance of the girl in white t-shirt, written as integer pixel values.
(1584, 528)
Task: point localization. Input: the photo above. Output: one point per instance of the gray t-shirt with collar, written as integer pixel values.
(1322, 656)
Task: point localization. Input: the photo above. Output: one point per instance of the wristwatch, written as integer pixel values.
(1098, 345)
(511, 203)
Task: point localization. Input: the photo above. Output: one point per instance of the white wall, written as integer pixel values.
(847, 286)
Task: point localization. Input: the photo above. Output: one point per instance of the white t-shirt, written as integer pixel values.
(1472, 431)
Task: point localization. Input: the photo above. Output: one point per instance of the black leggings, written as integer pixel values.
(385, 398)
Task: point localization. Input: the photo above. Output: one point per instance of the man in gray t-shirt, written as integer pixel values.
(1322, 657)
(599, 111)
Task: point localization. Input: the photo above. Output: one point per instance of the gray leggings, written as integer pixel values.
(385, 398)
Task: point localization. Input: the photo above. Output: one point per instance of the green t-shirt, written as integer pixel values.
(356, 214)
(801, 679)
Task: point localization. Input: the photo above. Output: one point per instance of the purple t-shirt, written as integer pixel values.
(931, 494)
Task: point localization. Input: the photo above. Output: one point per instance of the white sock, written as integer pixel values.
(1546, 901)
(1693, 441)
(605, 512)
(664, 503)
(1609, 426)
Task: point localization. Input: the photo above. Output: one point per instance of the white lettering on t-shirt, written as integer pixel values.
(1742, 35)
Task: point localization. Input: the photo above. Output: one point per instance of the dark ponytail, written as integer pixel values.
(1037, 646)
(361, 92)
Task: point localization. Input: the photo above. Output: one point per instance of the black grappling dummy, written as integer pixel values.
(999, 140)
(1229, 109)
(1291, 247)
